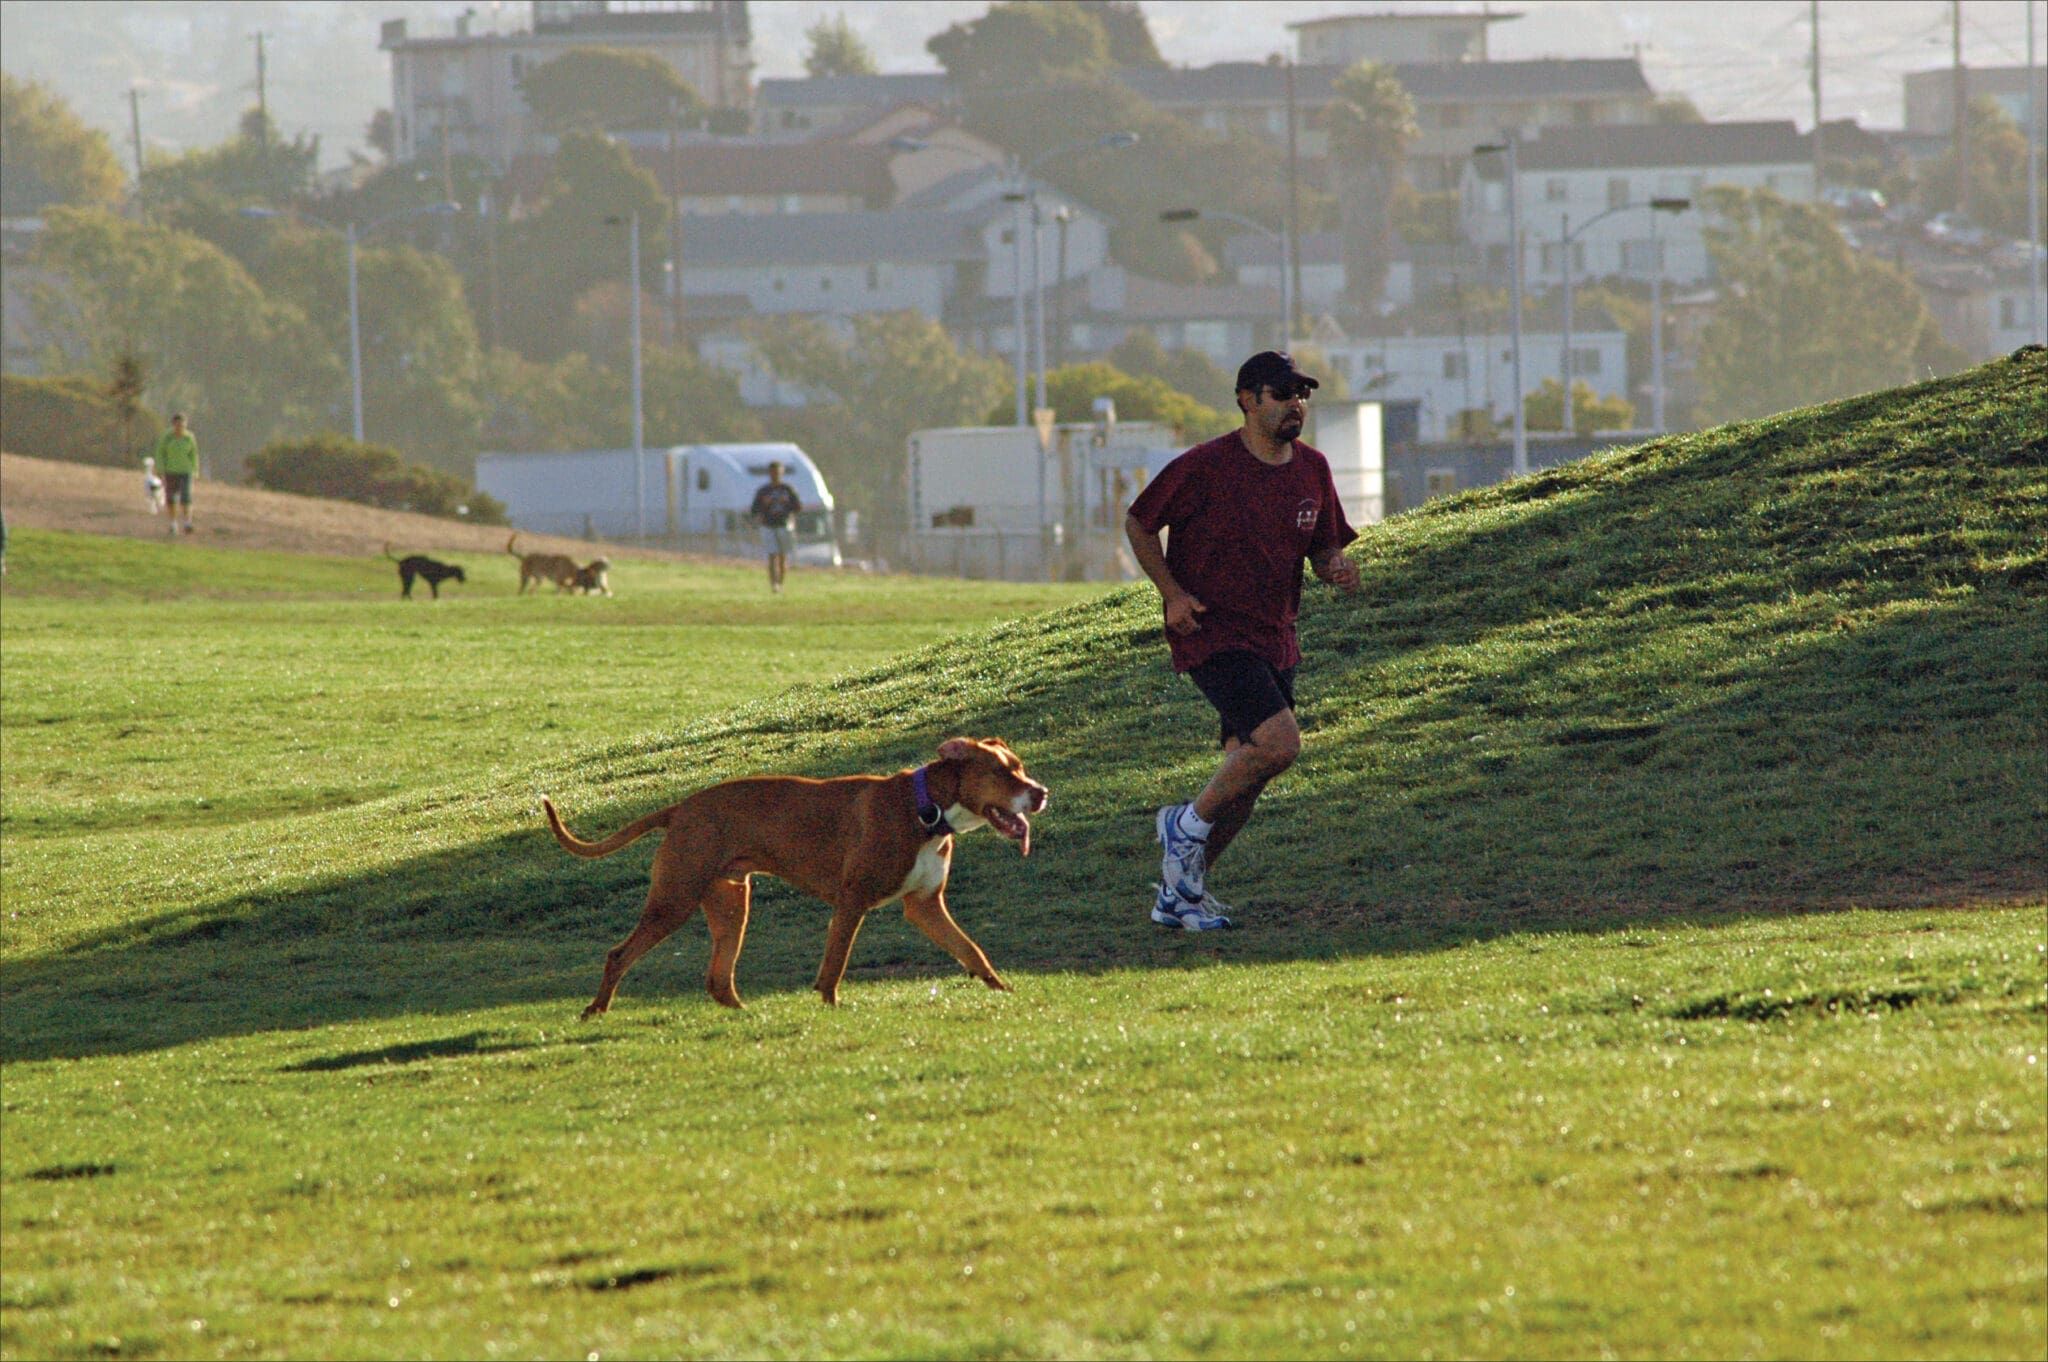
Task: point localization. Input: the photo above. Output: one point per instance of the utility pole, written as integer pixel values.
(1293, 262)
(1819, 134)
(2037, 305)
(1959, 143)
(262, 94)
(136, 121)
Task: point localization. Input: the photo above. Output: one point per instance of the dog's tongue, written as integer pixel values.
(1014, 826)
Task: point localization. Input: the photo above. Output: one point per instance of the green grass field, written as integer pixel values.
(1649, 955)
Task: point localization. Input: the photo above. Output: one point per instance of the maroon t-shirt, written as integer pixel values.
(1237, 532)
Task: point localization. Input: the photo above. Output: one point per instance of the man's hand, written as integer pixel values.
(1339, 572)
(1182, 611)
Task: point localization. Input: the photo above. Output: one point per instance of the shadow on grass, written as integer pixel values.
(1652, 693)
(1882, 767)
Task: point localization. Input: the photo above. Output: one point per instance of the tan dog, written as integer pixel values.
(856, 842)
(558, 568)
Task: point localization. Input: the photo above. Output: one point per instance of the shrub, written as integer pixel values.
(335, 466)
(73, 419)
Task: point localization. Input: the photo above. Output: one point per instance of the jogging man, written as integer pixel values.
(1244, 511)
(177, 457)
(774, 509)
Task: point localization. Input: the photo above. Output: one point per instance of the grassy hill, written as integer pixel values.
(1591, 761)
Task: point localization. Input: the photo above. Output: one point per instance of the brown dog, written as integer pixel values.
(856, 842)
(558, 568)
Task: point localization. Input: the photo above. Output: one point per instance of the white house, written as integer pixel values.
(1594, 186)
(1447, 370)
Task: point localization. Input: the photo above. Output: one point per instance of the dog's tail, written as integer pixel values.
(625, 836)
(388, 553)
(509, 549)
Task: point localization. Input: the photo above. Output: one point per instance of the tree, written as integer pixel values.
(1071, 391)
(254, 166)
(1129, 36)
(1544, 408)
(1371, 121)
(895, 373)
(419, 344)
(382, 135)
(48, 155)
(577, 238)
(578, 403)
(607, 87)
(211, 341)
(1997, 149)
(1021, 43)
(836, 50)
(1174, 165)
(1803, 318)
(1141, 355)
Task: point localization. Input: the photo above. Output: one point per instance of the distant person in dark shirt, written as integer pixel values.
(1244, 511)
(774, 509)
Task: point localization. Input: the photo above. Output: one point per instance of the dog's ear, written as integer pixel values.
(956, 749)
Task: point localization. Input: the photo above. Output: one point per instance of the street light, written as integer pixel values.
(1015, 198)
(1286, 257)
(1565, 238)
(633, 290)
(1109, 141)
(1657, 308)
(355, 329)
(1507, 146)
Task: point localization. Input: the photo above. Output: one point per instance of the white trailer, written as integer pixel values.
(698, 495)
(997, 501)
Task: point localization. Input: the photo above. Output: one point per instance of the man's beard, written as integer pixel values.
(1288, 429)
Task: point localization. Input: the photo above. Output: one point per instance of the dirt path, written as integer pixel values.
(44, 494)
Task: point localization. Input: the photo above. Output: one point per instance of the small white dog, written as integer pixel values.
(152, 486)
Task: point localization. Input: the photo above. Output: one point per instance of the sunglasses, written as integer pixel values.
(1287, 392)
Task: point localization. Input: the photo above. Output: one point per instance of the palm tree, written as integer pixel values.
(1371, 122)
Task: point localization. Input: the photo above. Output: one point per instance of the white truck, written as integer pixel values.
(695, 495)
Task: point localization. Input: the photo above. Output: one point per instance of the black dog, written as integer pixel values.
(419, 565)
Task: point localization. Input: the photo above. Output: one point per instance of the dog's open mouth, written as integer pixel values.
(1014, 826)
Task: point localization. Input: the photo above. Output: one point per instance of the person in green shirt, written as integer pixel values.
(177, 458)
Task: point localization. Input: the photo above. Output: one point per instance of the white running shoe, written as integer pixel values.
(1170, 910)
(1186, 858)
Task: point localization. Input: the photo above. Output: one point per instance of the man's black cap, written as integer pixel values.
(1271, 369)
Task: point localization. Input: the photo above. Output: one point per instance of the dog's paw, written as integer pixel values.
(995, 981)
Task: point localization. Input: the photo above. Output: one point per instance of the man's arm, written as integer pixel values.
(1336, 569)
(1182, 609)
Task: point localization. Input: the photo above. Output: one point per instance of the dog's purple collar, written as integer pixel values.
(930, 816)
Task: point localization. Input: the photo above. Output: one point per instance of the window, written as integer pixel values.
(825, 284)
(703, 479)
(1556, 189)
(1439, 482)
(874, 277)
(1617, 191)
(1081, 336)
(1586, 360)
(778, 283)
(1454, 364)
(1553, 253)
(792, 203)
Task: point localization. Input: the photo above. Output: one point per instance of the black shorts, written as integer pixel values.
(177, 489)
(1246, 689)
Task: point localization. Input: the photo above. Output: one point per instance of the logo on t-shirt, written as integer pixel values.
(1305, 514)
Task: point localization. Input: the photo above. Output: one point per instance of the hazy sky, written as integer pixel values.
(194, 60)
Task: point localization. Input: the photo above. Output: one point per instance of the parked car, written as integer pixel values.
(1852, 202)
(1954, 231)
